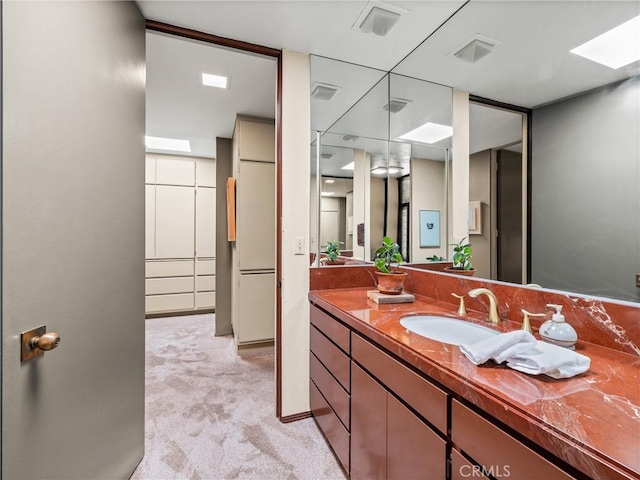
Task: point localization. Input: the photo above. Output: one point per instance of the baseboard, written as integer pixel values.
(179, 313)
(295, 417)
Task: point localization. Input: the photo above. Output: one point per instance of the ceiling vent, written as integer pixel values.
(475, 48)
(326, 156)
(395, 105)
(350, 138)
(323, 91)
(378, 18)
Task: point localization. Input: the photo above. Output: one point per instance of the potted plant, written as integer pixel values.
(332, 251)
(390, 280)
(436, 258)
(461, 259)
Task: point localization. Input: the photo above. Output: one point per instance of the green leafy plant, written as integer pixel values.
(333, 250)
(436, 258)
(462, 255)
(387, 254)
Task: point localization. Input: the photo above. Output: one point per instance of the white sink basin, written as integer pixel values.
(446, 329)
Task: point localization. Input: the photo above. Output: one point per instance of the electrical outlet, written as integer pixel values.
(298, 246)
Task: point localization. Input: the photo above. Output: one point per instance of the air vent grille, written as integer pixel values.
(323, 91)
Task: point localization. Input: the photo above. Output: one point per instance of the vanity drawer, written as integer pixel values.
(331, 389)
(337, 436)
(158, 286)
(332, 357)
(462, 469)
(420, 394)
(496, 450)
(172, 268)
(338, 333)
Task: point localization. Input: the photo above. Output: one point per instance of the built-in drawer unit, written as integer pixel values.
(170, 268)
(332, 328)
(205, 300)
(331, 390)
(417, 392)
(334, 430)
(168, 303)
(500, 454)
(206, 267)
(206, 283)
(158, 286)
(463, 469)
(332, 357)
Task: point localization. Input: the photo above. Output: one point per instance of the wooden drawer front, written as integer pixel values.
(167, 303)
(206, 300)
(206, 283)
(463, 469)
(178, 268)
(338, 333)
(156, 286)
(336, 434)
(332, 357)
(414, 451)
(206, 267)
(331, 389)
(424, 397)
(497, 451)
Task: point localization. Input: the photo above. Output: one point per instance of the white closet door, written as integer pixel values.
(150, 222)
(206, 173)
(175, 222)
(175, 170)
(206, 222)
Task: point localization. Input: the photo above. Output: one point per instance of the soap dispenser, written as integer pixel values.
(557, 331)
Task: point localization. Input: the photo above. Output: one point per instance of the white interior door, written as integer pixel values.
(73, 238)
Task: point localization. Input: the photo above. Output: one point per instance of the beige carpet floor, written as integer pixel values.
(210, 413)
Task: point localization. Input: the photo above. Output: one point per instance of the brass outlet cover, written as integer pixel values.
(27, 351)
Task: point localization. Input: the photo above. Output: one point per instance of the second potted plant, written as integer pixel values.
(332, 252)
(390, 280)
(461, 259)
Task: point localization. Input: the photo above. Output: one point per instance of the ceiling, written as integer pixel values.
(530, 66)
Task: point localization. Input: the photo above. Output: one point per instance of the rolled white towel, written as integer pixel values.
(499, 348)
(552, 360)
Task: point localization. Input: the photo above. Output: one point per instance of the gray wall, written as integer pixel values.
(585, 193)
(224, 163)
(480, 191)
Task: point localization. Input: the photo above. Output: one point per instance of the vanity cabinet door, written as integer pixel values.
(414, 451)
(368, 427)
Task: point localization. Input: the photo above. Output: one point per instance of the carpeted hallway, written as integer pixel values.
(210, 413)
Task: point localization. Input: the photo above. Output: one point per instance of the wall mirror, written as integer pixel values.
(571, 137)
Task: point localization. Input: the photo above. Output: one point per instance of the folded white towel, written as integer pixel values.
(552, 360)
(500, 348)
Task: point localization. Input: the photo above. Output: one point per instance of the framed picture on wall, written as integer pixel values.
(475, 218)
(429, 228)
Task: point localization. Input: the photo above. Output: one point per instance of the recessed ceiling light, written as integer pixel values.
(394, 170)
(616, 48)
(323, 91)
(329, 181)
(428, 133)
(175, 145)
(378, 18)
(348, 166)
(395, 105)
(379, 171)
(218, 81)
(328, 194)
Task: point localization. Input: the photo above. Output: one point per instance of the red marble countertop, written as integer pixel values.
(591, 421)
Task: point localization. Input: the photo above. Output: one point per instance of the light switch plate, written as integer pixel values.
(298, 248)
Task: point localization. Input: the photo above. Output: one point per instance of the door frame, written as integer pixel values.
(188, 33)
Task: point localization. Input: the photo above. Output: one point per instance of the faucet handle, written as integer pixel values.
(526, 325)
(462, 310)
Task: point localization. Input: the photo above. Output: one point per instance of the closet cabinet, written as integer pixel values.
(179, 233)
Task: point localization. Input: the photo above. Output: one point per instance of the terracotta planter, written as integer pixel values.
(332, 262)
(466, 273)
(391, 283)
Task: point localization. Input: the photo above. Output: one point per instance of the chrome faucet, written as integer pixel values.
(494, 316)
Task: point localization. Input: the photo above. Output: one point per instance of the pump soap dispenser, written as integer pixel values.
(557, 331)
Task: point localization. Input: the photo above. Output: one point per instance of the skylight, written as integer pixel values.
(348, 166)
(217, 81)
(172, 144)
(616, 48)
(428, 133)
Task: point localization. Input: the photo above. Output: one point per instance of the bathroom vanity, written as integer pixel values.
(393, 404)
